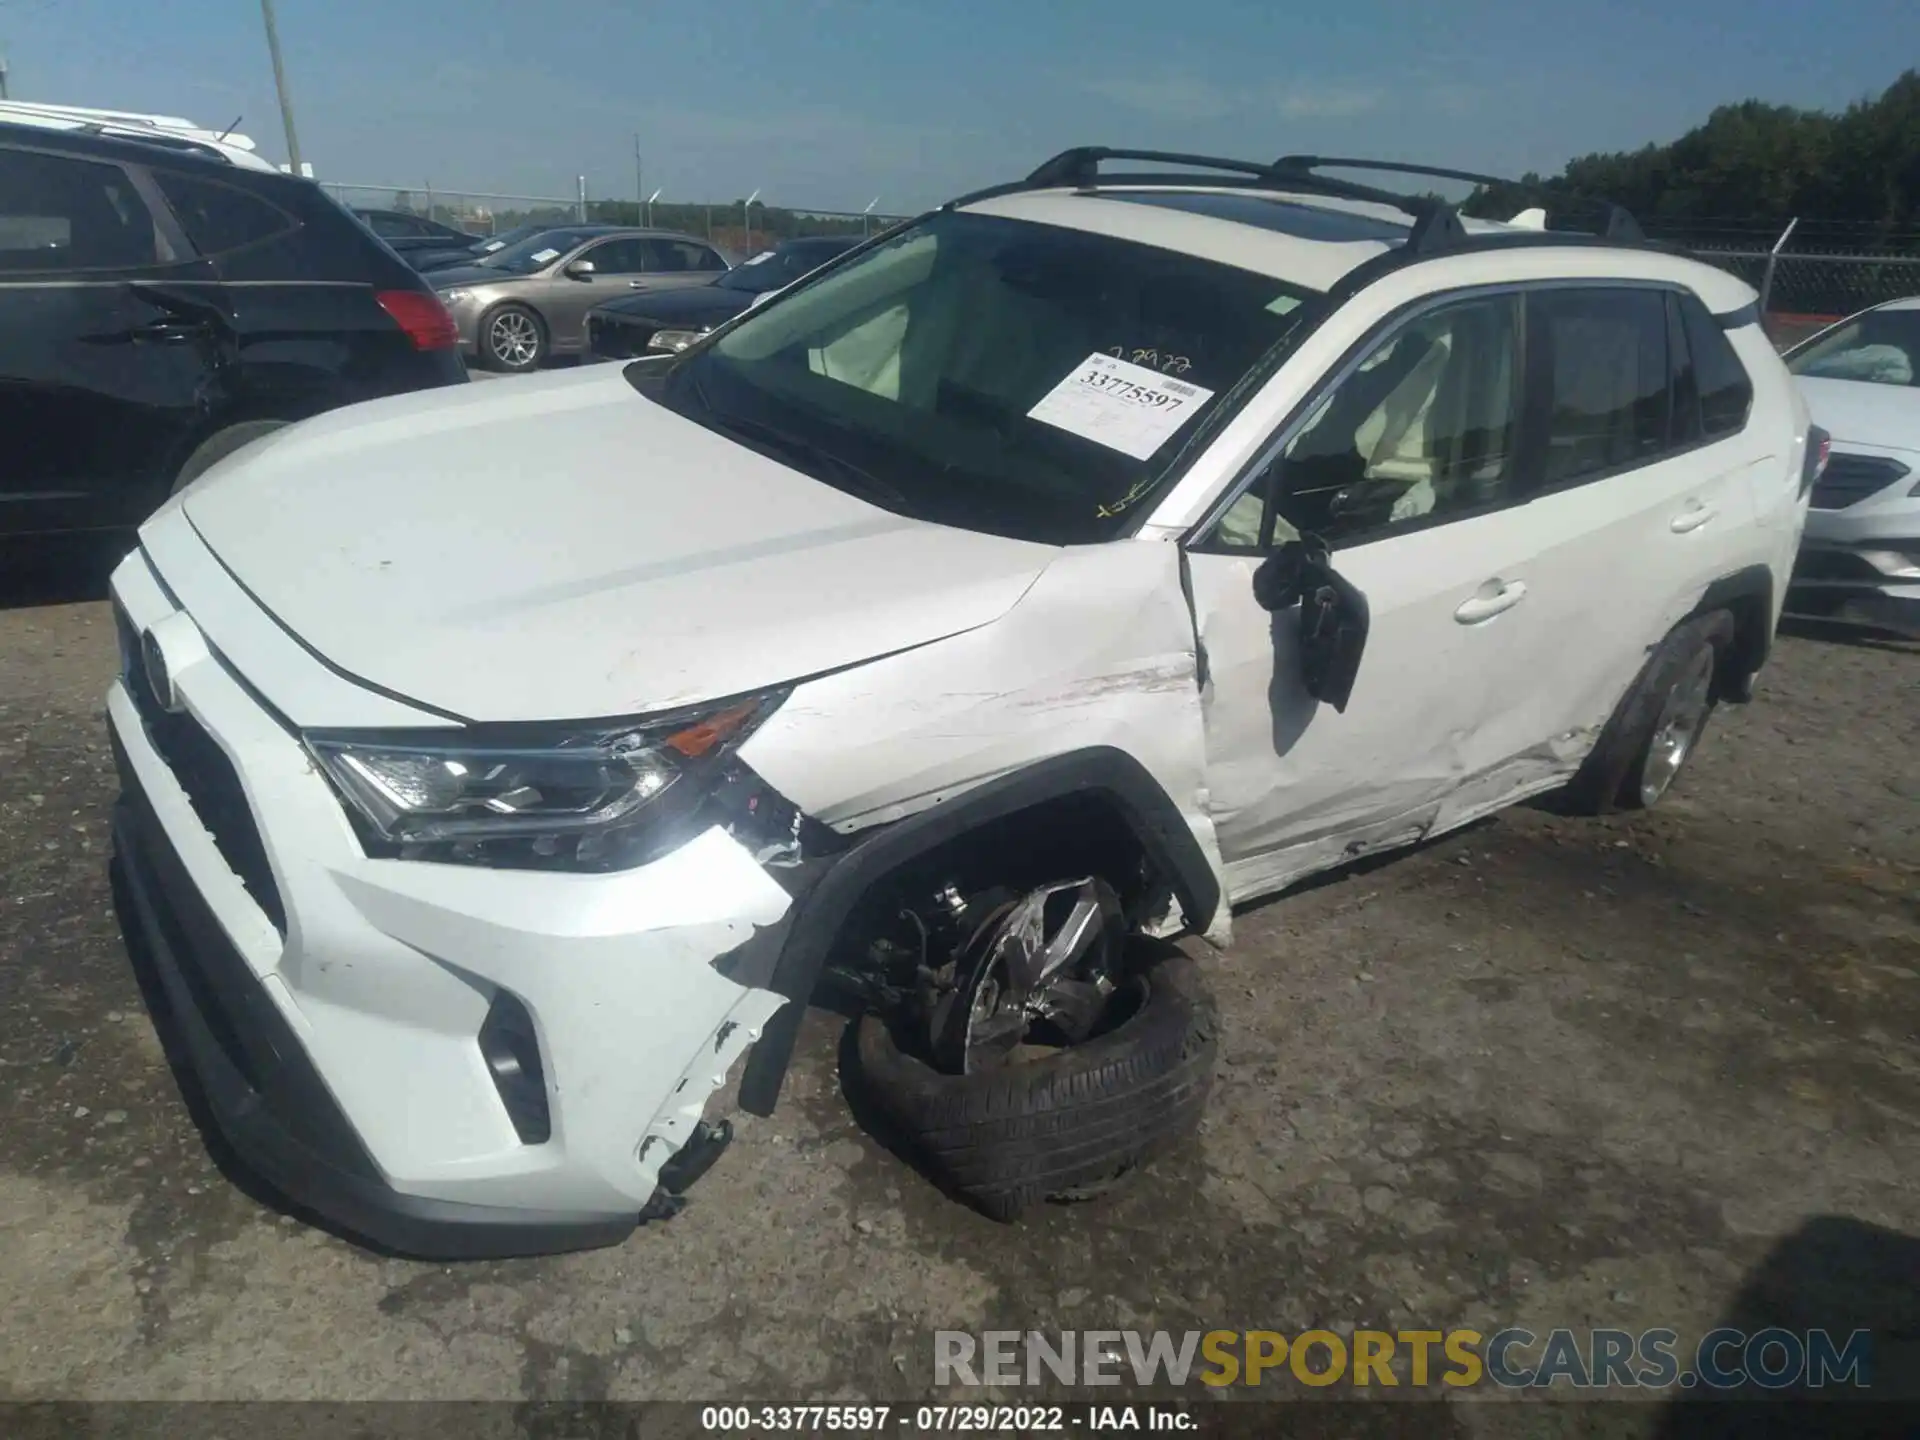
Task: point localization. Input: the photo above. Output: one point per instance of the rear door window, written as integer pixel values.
(1602, 354)
(217, 218)
(58, 213)
(680, 256)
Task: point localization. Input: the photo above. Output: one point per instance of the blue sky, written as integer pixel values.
(832, 102)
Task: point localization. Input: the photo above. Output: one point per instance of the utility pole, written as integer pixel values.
(280, 85)
(639, 184)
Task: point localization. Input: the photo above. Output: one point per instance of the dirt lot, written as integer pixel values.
(1658, 1071)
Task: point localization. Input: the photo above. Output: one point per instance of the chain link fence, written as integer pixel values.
(1813, 273)
(1809, 274)
(478, 212)
(735, 226)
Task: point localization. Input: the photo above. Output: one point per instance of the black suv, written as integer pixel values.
(161, 307)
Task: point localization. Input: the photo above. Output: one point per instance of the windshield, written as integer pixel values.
(492, 245)
(1881, 347)
(538, 251)
(784, 264)
(1026, 380)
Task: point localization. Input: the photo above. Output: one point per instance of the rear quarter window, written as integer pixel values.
(1726, 390)
(219, 219)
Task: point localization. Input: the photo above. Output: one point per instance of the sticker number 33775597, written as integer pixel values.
(1124, 406)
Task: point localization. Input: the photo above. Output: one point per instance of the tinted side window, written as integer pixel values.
(1423, 428)
(618, 257)
(58, 213)
(1726, 393)
(1603, 358)
(681, 256)
(219, 218)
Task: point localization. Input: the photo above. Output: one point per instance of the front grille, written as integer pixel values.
(1852, 478)
(617, 338)
(204, 772)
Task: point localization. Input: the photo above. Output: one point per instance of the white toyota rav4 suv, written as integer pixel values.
(1026, 587)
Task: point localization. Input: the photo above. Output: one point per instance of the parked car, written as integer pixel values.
(529, 302)
(668, 322)
(1086, 557)
(418, 240)
(478, 252)
(1861, 556)
(161, 306)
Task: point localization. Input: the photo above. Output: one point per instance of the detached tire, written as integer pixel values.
(218, 446)
(1635, 761)
(1065, 1126)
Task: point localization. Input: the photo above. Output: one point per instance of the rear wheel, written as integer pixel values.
(1653, 734)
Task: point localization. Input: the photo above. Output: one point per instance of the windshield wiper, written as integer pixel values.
(798, 447)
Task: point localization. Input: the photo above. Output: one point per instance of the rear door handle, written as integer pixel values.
(1691, 518)
(636, 284)
(1489, 601)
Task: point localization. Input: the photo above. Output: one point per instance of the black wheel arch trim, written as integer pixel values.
(1743, 592)
(809, 929)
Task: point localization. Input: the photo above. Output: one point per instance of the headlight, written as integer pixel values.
(604, 798)
(455, 296)
(673, 341)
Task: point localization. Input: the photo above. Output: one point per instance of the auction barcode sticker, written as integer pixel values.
(1124, 406)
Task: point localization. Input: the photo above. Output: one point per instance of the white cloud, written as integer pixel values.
(1177, 96)
(1328, 102)
(1168, 97)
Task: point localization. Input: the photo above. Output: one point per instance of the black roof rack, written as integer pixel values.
(1436, 228)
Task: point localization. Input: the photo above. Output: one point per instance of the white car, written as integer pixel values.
(1861, 556)
(1046, 576)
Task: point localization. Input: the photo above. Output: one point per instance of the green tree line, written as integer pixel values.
(1755, 166)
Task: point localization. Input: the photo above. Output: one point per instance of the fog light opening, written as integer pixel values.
(512, 1052)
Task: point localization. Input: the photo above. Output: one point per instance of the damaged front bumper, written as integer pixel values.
(342, 1014)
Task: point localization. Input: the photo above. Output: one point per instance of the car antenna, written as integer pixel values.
(230, 129)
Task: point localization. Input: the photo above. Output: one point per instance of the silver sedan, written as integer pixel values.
(530, 300)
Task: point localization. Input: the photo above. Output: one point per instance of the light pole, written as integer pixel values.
(280, 85)
(746, 216)
(639, 184)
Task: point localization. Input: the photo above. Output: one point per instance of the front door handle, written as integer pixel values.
(1490, 600)
(636, 284)
(1691, 518)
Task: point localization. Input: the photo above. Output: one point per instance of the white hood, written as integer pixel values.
(562, 548)
(1857, 412)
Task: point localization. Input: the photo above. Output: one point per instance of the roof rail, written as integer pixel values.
(1311, 163)
(1436, 226)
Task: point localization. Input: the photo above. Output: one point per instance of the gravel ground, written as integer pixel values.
(1651, 1071)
